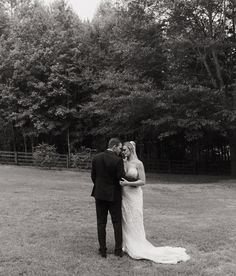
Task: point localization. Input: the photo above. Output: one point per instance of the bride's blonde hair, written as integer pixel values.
(132, 147)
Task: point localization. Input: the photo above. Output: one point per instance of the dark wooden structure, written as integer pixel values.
(205, 157)
(210, 156)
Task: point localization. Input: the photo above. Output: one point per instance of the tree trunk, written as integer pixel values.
(68, 141)
(233, 154)
(14, 137)
(204, 60)
(233, 139)
(32, 143)
(25, 142)
(233, 19)
(218, 69)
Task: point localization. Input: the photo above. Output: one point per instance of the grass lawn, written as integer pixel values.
(48, 225)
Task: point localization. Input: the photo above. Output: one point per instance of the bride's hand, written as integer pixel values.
(123, 182)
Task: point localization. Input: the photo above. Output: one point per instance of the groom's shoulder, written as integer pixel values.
(100, 155)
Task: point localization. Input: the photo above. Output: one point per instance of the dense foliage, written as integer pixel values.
(140, 69)
(45, 155)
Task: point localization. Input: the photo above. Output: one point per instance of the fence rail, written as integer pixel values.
(27, 159)
(187, 166)
(151, 165)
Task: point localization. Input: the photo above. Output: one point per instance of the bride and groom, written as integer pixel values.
(117, 190)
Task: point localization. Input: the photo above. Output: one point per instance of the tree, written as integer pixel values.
(128, 65)
(201, 39)
(120, 107)
(21, 67)
(41, 68)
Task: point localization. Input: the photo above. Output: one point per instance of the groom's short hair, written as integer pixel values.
(113, 142)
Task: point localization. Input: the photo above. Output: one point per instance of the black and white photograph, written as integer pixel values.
(117, 137)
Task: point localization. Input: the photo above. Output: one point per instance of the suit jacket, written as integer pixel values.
(107, 170)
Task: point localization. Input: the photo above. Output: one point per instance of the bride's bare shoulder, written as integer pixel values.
(139, 163)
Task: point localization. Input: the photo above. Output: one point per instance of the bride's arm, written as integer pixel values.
(140, 181)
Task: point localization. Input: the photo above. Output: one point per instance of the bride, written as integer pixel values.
(134, 238)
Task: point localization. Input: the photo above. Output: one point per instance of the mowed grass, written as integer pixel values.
(48, 225)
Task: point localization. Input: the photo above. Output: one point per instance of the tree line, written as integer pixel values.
(141, 69)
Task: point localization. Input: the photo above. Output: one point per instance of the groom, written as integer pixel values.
(107, 170)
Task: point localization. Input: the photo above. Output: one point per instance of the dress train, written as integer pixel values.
(135, 243)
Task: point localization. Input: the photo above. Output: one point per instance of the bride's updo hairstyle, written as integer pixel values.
(131, 146)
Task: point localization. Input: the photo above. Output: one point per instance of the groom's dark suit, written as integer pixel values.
(107, 170)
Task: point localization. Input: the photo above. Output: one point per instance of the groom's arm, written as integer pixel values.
(120, 169)
(93, 171)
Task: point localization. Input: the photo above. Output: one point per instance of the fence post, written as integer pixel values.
(170, 166)
(195, 170)
(67, 161)
(16, 157)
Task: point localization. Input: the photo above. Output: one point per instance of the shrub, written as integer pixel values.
(45, 155)
(82, 158)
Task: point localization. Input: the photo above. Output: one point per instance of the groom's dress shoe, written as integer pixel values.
(103, 253)
(119, 253)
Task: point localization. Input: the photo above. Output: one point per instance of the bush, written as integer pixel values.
(82, 158)
(45, 155)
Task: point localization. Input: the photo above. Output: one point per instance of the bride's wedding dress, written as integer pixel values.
(134, 238)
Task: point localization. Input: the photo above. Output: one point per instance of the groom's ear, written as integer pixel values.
(114, 148)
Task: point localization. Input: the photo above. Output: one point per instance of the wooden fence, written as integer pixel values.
(151, 165)
(187, 166)
(27, 159)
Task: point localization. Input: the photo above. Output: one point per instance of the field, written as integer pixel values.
(48, 225)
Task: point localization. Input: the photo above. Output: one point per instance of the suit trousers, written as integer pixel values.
(114, 208)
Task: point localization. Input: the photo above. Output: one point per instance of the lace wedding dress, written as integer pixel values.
(134, 238)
